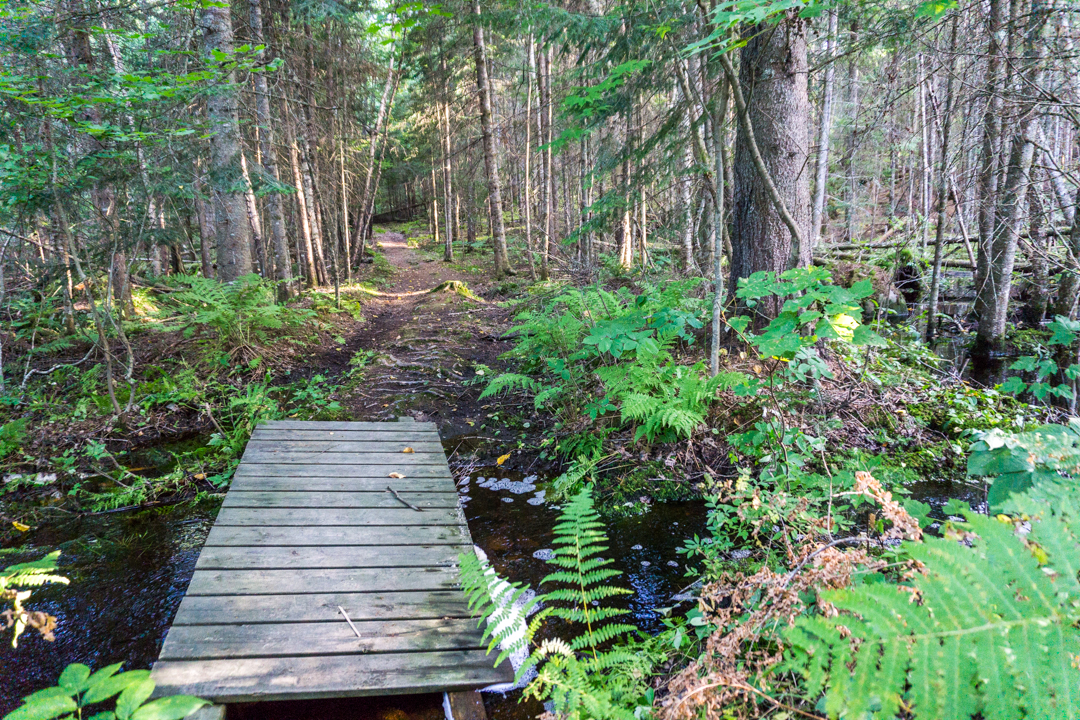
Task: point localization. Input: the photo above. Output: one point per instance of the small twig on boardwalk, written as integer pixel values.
(392, 490)
(348, 620)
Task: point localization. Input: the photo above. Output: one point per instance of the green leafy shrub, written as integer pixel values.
(243, 314)
(12, 436)
(78, 690)
(1014, 462)
(1044, 365)
(593, 352)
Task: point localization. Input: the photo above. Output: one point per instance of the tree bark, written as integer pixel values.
(367, 192)
(821, 174)
(268, 156)
(993, 294)
(771, 213)
(942, 187)
(491, 169)
(226, 175)
(530, 71)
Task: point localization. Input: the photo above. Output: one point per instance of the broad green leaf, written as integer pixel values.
(132, 697)
(863, 335)
(43, 708)
(169, 708)
(109, 686)
(74, 677)
(1013, 385)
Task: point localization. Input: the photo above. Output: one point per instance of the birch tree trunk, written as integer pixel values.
(491, 168)
(821, 174)
(268, 156)
(366, 193)
(226, 175)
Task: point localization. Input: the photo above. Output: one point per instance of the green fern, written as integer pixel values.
(242, 313)
(580, 678)
(579, 540)
(14, 581)
(991, 629)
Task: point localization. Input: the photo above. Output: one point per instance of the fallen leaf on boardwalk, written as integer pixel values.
(19, 526)
(408, 450)
(396, 476)
(502, 459)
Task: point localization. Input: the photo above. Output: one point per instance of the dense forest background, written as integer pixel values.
(144, 141)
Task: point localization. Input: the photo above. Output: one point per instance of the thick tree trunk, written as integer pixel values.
(491, 168)
(226, 175)
(772, 146)
(268, 156)
(987, 180)
(1038, 295)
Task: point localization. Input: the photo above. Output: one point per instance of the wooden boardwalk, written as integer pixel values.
(308, 533)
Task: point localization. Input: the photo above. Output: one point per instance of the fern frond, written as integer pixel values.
(992, 630)
(509, 381)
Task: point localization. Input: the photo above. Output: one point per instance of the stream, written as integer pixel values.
(129, 571)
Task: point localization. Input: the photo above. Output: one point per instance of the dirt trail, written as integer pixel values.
(427, 342)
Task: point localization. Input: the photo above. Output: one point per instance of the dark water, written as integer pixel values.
(129, 571)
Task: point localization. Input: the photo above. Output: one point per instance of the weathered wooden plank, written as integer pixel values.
(375, 536)
(398, 434)
(367, 470)
(193, 642)
(307, 528)
(247, 680)
(399, 461)
(327, 580)
(255, 483)
(237, 498)
(343, 425)
(321, 607)
(324, 445)
(271, 517)
(328, 556)
(467, 705)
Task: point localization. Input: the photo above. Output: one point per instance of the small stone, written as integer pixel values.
(636, 547)
(545, 554)
(672, 563)
(645, 563)
(740, 554)
(508, 500)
